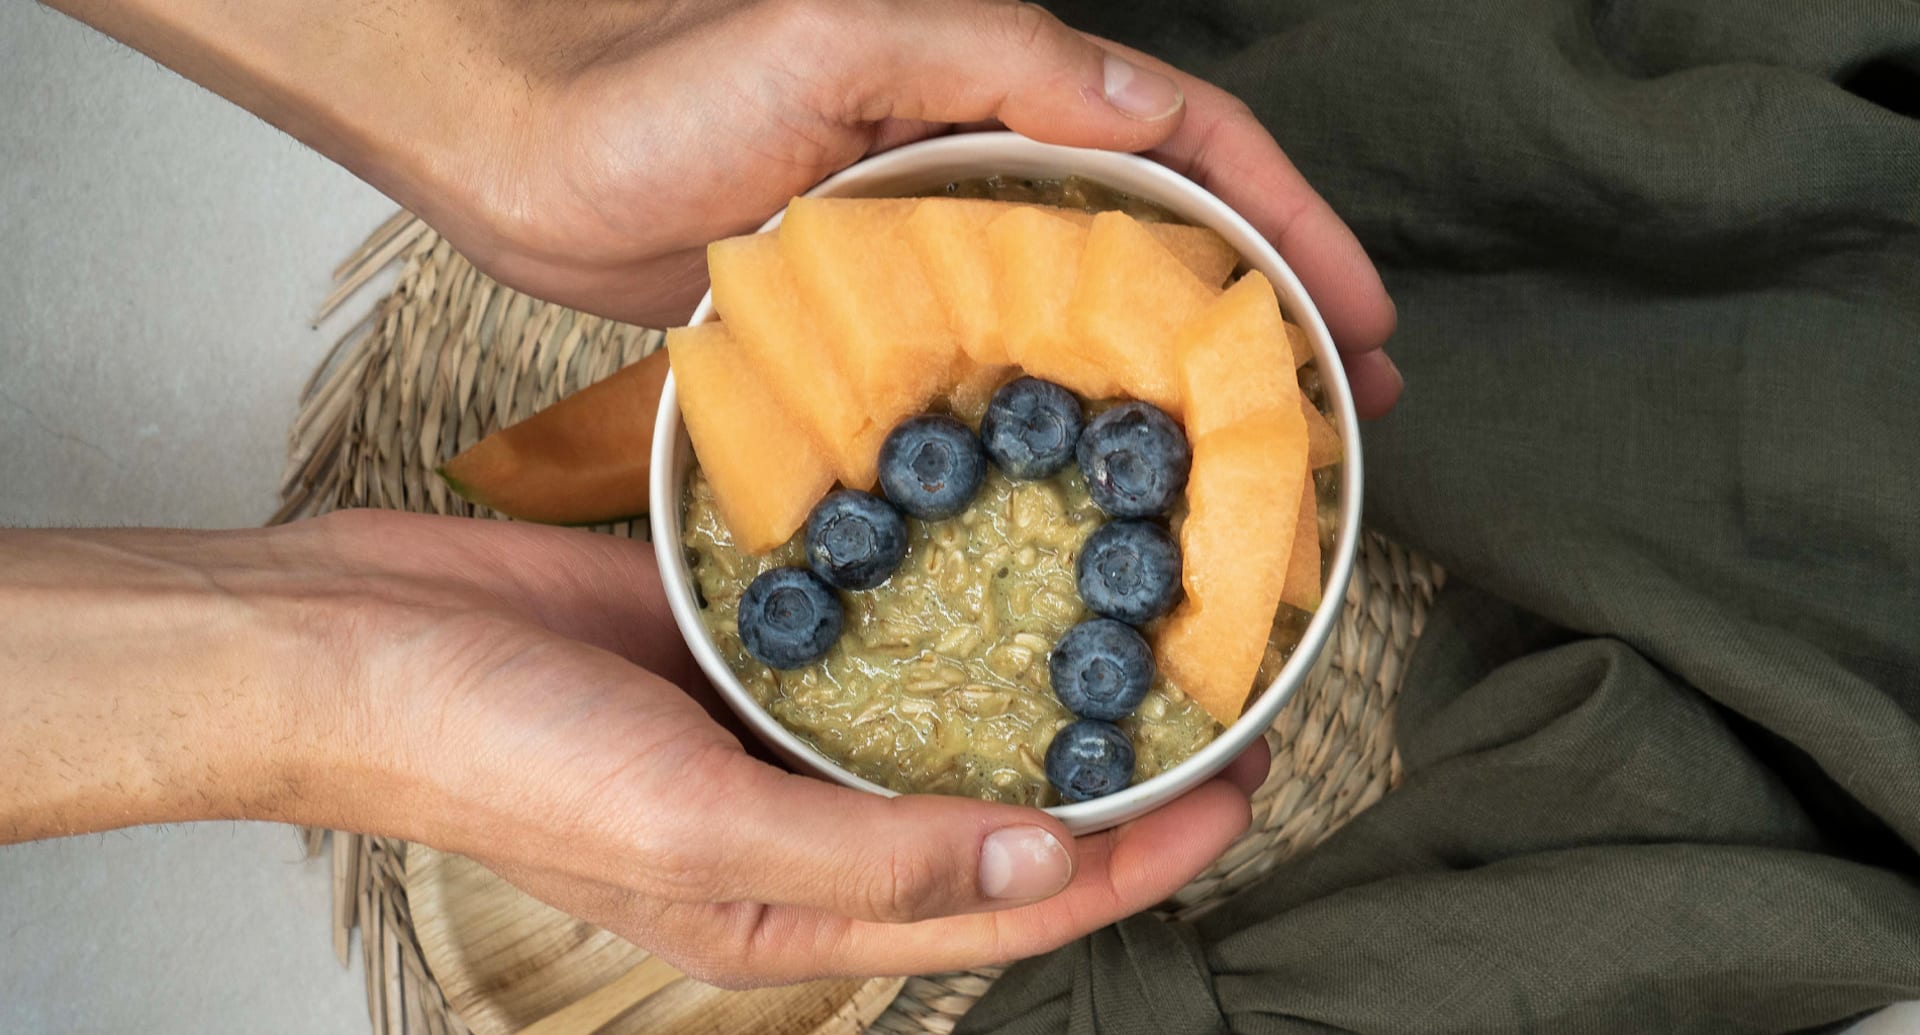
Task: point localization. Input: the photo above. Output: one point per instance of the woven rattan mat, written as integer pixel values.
(448, 356)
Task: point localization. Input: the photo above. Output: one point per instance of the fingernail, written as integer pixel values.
(1138, 92)
(1023, 863)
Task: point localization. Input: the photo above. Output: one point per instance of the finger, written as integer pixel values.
(1012, 62)
(1376, 382)
(1121, 872)
(1249, 768)
(798, 841)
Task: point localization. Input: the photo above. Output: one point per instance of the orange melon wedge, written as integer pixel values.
(950, 239)
(1233, 359)
(1302, 585)
(1036, 261)
(860, 277)
(1131, 298)
(582, 461)
(766, 471)
(1235, 549)
(975, 388)
(1297, 341)
(755, 293)
(1199, 249)
(1323, 443)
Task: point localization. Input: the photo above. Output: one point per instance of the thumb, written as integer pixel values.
(1018, 64)
(796, 841)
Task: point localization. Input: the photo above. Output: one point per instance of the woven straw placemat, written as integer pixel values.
(449, 355)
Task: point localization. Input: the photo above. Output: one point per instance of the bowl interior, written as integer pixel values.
(922, 168)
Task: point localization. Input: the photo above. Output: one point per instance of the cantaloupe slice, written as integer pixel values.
(1235, 547)
(950, 239)
(766, 471)
(1323, 443)
(860, 276)
(949, 236)
(756, 296)
(581, 461)
(1131, 298)
(1302, 586)
(1297, 341)
(1233, 359)
(1036, 260)
(1199, 249)
(974, 389)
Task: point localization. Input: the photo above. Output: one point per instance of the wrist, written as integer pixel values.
(164, 677)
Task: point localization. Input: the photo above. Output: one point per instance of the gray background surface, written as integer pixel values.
(161, 254)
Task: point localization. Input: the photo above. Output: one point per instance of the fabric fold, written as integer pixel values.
(1658, 271)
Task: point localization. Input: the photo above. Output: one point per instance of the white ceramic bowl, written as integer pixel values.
(922, 167)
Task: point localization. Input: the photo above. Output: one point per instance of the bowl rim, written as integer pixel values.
(666, 482)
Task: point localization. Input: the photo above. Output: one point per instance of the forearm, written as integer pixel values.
(406, 95)
(164, 676)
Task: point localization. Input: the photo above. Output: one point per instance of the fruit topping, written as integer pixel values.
(1135, 459)
(1089, 759)
(1031, 428)
(931, 467)
(1130, 570)
(1131, 297)
(1101, 669)
(789, 618)
(855, 540)
(766, 471)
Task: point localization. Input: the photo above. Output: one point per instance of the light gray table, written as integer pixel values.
(160, 256)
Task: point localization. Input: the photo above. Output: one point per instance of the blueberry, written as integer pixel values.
(1089, 759)
(789, 618)
(1031, 428)
(1101, 669)
(931, 467)
(1130, 570)
(855, 540)
(1135, 459)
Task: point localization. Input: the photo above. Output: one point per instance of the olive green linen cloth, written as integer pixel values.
(1658, 269)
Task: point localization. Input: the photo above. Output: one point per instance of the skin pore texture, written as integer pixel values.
(519, 693)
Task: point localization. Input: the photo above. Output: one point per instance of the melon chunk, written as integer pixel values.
(1199, 249)
(1297, 341)
(950, 238)
(1131, 298)
(1302, 586)
(1323, 443)
(1036, 260)
(1235, 546)
(582, 461)
(766, 472)
(756, 296)
(859, 275)
(973, 390)
(1233, 360)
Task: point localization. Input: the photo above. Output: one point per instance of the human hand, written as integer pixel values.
(587, 152)
(645, 142)
(519, 694)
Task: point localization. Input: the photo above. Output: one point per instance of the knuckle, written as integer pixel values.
(723, 949)
(683, 862)
(1027, 26)
(908, 887)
